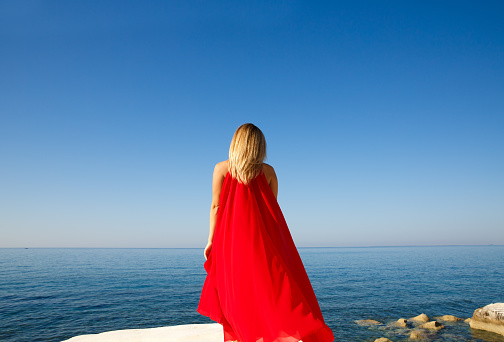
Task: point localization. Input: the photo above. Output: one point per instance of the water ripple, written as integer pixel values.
(54, 294)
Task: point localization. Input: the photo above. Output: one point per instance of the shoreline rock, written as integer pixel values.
(489, 318)
(418, 335)
(432, 325)
(401, 322)
(367, 322)
(420, 318)
(448, 318)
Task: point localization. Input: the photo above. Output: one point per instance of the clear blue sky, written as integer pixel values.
(384, 119)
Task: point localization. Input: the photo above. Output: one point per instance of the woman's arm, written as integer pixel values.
(219, 174)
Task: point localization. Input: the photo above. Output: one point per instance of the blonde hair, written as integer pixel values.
(247, 153)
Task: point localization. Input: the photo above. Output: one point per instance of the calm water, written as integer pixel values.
(55, 294)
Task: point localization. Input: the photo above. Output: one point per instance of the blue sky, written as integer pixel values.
(384, 119)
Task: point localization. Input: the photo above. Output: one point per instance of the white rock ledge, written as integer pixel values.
(179, 333)
(490, 318)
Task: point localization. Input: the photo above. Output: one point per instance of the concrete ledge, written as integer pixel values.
(179, 333)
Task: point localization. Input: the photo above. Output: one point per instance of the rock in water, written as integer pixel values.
(420, 318)
(433, 325)
(367, 322)
(382, 339)
(401, 322)
(417, 335)
(489, 318)
(448, 318)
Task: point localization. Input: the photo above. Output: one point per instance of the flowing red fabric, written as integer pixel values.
(256, 285)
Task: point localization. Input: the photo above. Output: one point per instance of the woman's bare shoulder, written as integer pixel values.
(271, 178)
(269, 171)
(221, 168)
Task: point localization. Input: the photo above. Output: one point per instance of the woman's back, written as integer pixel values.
(222, 169)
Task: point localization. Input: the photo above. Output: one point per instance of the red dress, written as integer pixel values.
(256, 285)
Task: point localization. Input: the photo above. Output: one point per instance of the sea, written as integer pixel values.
(55, 294)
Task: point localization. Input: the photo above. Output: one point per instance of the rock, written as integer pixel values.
(367, 322)
(432, 325)
(211, 332)
(448, 318)
(467, 320)
(418, 335)
(401, 322)
(420, 318)
(489, 318)
(382, 339)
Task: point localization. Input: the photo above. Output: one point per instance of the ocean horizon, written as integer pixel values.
(202, 248)
(52, 294)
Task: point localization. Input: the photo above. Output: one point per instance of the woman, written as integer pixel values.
(256, 284)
